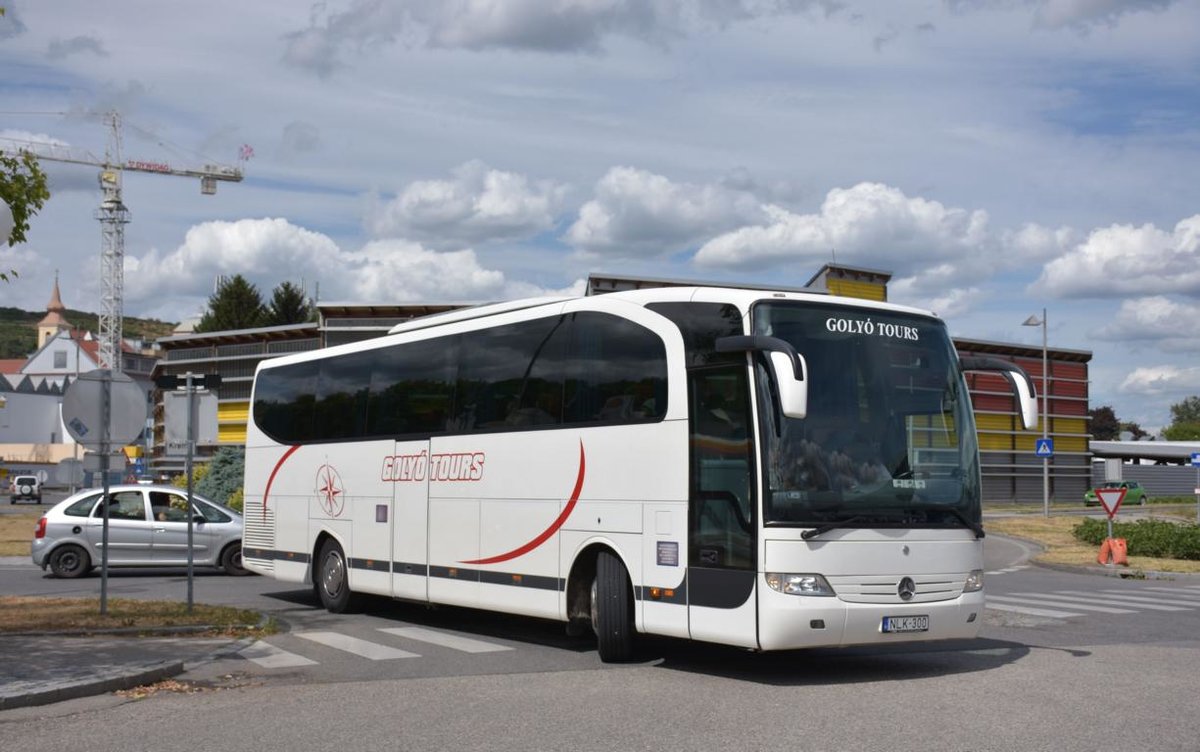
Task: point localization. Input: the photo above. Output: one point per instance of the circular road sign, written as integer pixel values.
(83, 406)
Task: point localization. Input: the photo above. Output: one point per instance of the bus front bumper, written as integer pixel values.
(788, 622)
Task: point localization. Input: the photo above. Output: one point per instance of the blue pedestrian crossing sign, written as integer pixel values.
(1195, 459)
(1045, 448)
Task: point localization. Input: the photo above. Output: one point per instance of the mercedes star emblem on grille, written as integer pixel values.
(907, 589)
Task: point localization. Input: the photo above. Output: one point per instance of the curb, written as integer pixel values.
(116, 679)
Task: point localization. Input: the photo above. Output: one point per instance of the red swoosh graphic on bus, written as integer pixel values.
(554, 526)
(271, 479)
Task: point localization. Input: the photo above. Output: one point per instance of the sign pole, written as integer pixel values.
(105, 447)
(191, 442)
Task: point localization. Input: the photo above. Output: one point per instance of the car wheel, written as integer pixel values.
(231, 560)
(69, 562)
(331, 578)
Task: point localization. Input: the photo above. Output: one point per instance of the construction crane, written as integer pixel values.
(113, 217)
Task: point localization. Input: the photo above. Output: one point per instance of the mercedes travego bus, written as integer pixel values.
(770, 470)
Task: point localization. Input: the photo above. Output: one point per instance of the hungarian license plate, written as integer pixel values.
(906, 624)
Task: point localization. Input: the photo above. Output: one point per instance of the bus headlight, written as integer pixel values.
(974, 581)
(799, 584)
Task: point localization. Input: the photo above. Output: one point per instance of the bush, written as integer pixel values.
(1157, 538)
(224, 475)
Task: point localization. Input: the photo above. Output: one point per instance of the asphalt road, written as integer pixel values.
(1065, 661)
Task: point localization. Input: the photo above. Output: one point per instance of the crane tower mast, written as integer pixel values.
(113, 216)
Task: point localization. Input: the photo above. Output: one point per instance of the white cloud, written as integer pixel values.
(1082, 14)
(557, 26)
(270, 251)
(868, 222)
(1156, 381)
(636, 213)
(265, 251)
(1128, 260)
(1156, 319)
(400, 271)
(478, 204)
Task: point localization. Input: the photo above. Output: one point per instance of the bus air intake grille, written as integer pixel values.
(930, 588)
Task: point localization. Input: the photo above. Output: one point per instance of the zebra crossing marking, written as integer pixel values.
(1030, 611)
(268, 656)
(1152, 599)
(445, 639)
(1037, 599)
(364, 648)
(1105, 601)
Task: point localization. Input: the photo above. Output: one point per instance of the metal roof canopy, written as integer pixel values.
(1159, 451)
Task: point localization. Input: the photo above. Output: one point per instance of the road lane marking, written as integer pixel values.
(1122, 600)
(268, 656)
(1033, 599)
(1151, 598)
(363, 648)
(443, 639)
(1031, 611)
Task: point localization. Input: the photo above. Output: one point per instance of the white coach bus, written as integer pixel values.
(770, 470)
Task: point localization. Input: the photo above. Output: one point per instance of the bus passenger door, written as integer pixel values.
(721, 518)
(410, 508)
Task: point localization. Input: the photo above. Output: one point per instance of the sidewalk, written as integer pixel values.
(41, 669)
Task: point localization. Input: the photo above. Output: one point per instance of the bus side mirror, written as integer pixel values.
(793, 387)
(1017, 378)
(788, 369)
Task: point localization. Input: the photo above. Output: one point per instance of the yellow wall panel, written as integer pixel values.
(853, 289)
(231, 434)
(230, 412)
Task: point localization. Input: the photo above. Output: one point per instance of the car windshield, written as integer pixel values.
(889, 439)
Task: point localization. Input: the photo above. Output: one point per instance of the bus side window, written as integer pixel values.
(722, 503)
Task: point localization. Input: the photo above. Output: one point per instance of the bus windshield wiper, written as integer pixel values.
(822, 529)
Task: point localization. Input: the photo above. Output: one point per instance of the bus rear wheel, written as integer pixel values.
(612, 609)
(331, 578)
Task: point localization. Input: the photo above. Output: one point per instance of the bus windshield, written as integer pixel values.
(889, 437)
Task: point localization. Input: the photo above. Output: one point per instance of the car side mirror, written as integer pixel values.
(788, 369)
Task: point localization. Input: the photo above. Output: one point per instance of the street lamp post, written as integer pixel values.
(1035, 321)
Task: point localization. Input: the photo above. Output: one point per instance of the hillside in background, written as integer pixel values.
(18, 329)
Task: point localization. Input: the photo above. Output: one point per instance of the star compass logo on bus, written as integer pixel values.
(330, 491)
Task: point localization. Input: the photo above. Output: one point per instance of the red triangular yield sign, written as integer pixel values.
(1111, 498)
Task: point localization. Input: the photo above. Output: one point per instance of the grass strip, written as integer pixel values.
(43, 614)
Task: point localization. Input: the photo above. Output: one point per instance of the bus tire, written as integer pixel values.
(331, 578)
(612, 612)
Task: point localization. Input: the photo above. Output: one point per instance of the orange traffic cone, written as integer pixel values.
(1105, 551)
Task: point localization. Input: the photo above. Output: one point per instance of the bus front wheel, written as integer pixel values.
(332, 578)
(612, 612)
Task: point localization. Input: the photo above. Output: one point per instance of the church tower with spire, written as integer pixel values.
(54, 322)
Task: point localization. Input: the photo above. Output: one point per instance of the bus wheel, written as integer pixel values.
(612, 615)
(332, 579)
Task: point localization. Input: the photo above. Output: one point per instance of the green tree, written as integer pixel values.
(1185, 420)
(289, 305)
(23, 188)
(236, 304)
(1105, 426)
(1138, 432)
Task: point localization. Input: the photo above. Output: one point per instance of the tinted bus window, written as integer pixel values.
(701, 325)
(617, 372)
(412, 388)
(283, 401)
(343, 382)
(495, 369)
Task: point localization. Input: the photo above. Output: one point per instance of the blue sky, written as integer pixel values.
(998, 156)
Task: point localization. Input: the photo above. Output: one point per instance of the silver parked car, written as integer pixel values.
(147, 526)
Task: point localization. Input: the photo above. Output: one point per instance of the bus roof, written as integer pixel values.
(741, 296)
